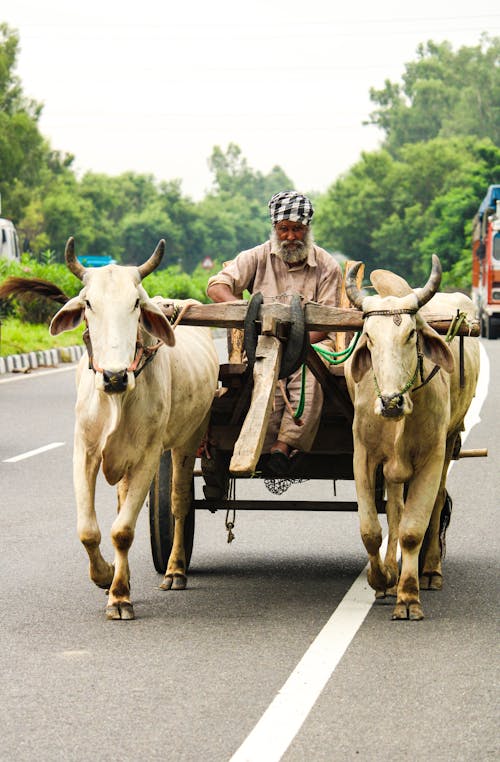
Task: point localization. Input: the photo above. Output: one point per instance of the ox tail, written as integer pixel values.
(444, 522)
(32, 288)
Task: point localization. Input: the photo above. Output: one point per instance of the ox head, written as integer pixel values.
(115, 306)
(394, 336)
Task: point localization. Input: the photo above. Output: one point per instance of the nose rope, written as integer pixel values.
(453, 329)
(393, 400)
(141, 353)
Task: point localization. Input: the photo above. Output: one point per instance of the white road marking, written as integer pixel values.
(284, 717)
(31, 453)
(36, 374)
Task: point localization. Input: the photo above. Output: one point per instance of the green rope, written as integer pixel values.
(455, 326)
(302, 400)
(337, 358)
(334, 358)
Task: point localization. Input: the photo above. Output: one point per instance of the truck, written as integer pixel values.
(9, 241)
(486, 263)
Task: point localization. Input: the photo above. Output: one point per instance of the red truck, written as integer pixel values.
(486, 263)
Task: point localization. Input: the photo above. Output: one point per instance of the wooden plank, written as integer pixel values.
(478, 453)
(248, 447)
(318, 317)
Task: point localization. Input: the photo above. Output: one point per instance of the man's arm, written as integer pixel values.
(315, 336)
(220, 292)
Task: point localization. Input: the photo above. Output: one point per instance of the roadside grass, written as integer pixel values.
(18, 337)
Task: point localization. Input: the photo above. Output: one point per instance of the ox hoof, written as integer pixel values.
(120, 611)
(174, 582)
(411, 611)
(431, 581)
(381, 581)
(391, 592)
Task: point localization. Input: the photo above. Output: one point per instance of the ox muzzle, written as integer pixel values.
(115, 382)
(392, 406)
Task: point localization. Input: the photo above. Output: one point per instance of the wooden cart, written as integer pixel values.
(242, 406)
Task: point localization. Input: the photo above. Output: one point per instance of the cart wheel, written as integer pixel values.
(161, 521)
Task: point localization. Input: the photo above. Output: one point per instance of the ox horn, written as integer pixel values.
(427, 292)
(153, 261)
(73, 264)
(351, 287)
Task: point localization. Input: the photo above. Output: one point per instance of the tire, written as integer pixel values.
(161, 521)
(487, 328)
(490, 328)
(483, 328)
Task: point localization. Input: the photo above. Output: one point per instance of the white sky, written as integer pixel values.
(152, 86)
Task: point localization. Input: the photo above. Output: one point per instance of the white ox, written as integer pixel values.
(126, 419)
(409, 428)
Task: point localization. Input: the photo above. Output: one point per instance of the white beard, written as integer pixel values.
(292, 252)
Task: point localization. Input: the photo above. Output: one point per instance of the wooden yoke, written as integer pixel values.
(343, 338)
(248, 446)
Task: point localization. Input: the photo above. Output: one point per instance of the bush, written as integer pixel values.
(172, 283)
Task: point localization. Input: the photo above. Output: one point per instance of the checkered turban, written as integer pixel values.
(290, 205)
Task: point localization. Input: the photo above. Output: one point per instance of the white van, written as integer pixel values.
(9, 242)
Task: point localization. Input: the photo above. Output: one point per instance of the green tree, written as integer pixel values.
(443, 93)
(394, 213)
(233, 176)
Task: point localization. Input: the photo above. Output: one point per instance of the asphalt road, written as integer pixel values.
(191, 677)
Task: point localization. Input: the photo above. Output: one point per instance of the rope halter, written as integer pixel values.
(393, 400)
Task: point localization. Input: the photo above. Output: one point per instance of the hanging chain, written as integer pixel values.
(231, 495)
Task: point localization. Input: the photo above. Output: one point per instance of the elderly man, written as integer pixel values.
(287, 264)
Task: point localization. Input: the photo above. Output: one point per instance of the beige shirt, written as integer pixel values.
(318, 279)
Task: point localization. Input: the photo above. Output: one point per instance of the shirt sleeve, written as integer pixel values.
(330, 282)
(238, 273)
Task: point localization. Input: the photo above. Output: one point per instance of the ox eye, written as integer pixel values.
(88, 304)
(411, 335)
(136, 305)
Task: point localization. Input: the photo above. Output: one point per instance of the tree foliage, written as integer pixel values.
(392, 209)
(395, 213)
(443, 93)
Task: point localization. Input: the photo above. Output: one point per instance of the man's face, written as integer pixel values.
(291, 239)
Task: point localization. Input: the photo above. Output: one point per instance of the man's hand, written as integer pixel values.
(315, 336)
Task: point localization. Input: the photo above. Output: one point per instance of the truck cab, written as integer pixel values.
(486, 263)
(9, 241)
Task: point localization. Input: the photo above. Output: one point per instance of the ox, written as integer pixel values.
(408, 418)
(136, 397)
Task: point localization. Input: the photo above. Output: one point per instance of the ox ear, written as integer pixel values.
(436, 349)
(68, 317)
(155, 323)
(361, 359)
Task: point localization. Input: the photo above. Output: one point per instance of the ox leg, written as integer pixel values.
(414, 521)
(132, 493)
(379, 577)
(394, 509)
(180, 503)
(85, 471)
